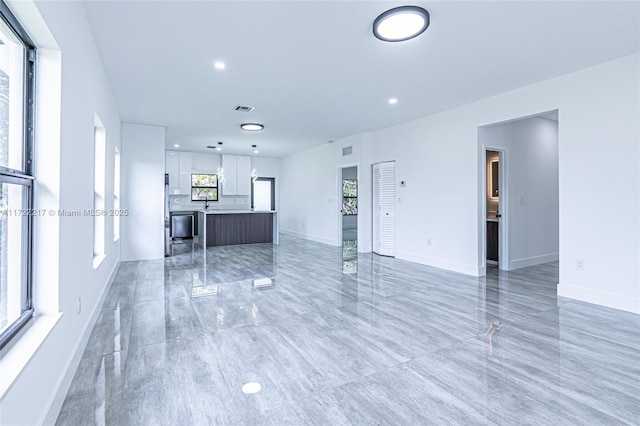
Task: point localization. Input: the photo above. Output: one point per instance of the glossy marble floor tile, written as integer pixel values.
(339, 338)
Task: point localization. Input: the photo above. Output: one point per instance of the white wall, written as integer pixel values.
(73, 86)
(142, 192)
(531, 146)
(439, 157)
(311, 192)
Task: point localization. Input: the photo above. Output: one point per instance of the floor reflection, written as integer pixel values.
(340, 333)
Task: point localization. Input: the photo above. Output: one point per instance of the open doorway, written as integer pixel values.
(519, 187)
(263, 194)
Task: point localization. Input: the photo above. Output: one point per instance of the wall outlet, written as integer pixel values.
(429, 241)
(79, 310)
(580, 264)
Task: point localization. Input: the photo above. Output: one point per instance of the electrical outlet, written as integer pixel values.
(79, 310)
(580, 264)
(429, 241)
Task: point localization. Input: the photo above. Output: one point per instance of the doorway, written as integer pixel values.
(519, 192)
(494, 216)
(263, 194)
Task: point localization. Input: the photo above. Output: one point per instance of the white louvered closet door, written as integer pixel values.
(384, 208)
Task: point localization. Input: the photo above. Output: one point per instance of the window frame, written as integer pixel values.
(216, 186)
(24, 177)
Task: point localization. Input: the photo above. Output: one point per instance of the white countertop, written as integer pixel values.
(222, 211)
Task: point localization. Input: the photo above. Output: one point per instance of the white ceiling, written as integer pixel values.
(314, 72)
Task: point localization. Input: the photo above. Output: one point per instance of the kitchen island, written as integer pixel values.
(230, 227)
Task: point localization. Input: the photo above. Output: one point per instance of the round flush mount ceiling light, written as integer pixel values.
(401, 23)
(219, 65)
(393, 101)
(252, 127)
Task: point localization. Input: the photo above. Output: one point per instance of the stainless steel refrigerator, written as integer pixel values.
(167, 237)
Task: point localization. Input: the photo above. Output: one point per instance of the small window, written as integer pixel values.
(349, 197)
(204, 187)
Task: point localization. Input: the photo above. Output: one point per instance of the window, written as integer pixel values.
(116, 195)
(99, 156)
(204, 187)
(17, 57)
(349, 197)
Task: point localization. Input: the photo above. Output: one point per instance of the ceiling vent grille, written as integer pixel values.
(347, 150)
(243, 108)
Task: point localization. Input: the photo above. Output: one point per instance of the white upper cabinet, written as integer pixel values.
(243, 175)
(185, 173)
(172, 168)
(237, 174)
(178, 167)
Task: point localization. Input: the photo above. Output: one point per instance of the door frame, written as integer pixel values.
(503, 223)
(273, 191)
(339, 202)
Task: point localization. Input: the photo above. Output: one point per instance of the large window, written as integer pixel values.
(116, 196)
(17, 58)
(99, 187)
(204, 187)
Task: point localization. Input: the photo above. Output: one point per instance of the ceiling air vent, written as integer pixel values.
(243, 108)
(347, 150)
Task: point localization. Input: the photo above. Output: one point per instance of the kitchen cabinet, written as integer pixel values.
(492, 240)
(172, 168)
(178, 167)
(237, 175)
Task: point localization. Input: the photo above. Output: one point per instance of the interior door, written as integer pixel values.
(384, 208)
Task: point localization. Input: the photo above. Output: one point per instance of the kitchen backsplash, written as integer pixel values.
(230, 202)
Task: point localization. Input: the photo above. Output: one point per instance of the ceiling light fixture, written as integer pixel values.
(219, 65)
(177, 145)
(393, 101)
(219, 148)
(401, 23)
(252, 127)
(255, 148)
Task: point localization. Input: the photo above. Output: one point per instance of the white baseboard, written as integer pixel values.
(315, 238)
(473, 270)
(533, 260)
(602, 298)
(64, 383)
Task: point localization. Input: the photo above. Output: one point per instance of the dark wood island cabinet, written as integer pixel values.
(221, 228)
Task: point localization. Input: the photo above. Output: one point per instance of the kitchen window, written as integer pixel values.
(204, 187)
(17, 57)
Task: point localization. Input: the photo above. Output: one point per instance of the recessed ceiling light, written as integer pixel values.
(219, 65)
(393, 101)
(401, 23)
(177, 145)
(255, 149)
(252, 127)
(219, 148)
(251, 387)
